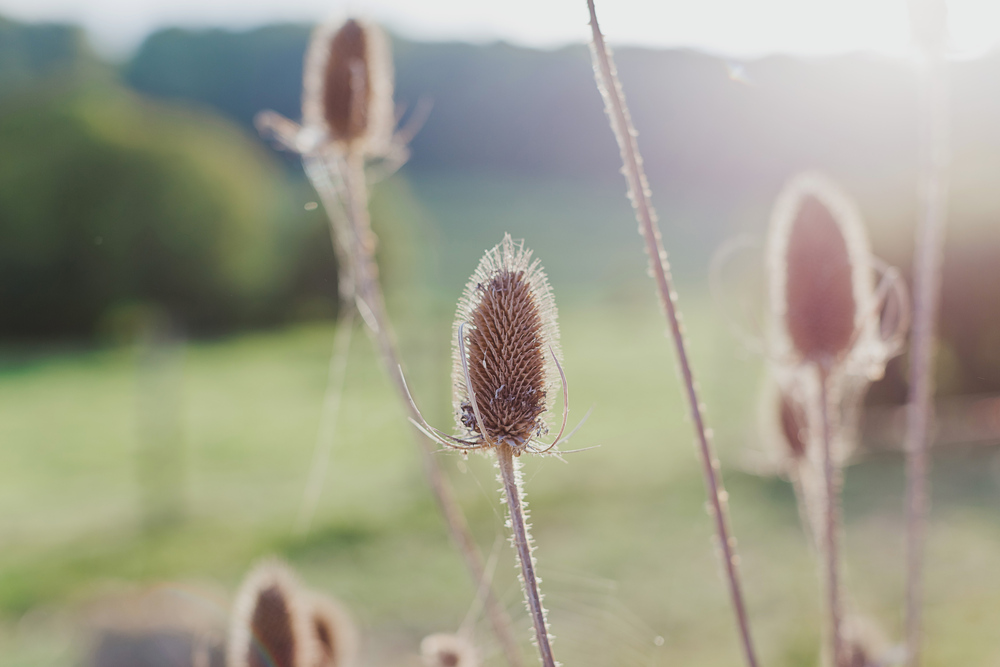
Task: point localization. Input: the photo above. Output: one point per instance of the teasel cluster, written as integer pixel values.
(346, 138)
(831, 331)
(506, 374)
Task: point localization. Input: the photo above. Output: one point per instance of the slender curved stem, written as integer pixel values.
(933, 192)
(639, 193)
(353, 200)
(522, 542)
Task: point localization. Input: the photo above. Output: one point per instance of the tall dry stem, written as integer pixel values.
(929, 23)
(639, 193)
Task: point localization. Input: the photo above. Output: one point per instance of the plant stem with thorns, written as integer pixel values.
(831, 526)
(639, 193)
(522, 542)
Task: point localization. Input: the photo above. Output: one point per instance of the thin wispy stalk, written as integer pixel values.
(930, 32)
(639, 193)
(327, 433)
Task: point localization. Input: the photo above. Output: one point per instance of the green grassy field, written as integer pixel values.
(625, 547)
(624, 543)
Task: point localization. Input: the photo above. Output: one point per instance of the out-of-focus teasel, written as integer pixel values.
(448, 650)
(347, 132)
(276, 622)
(270, 624)
(506, 372)
(826, 343)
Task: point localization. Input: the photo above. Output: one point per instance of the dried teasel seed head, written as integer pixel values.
(270, 622)
(820, 273)
(334, 631)
(347, 86)
(444, 650)
(507, 320)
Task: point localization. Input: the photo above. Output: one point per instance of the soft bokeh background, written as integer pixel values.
(167, 303)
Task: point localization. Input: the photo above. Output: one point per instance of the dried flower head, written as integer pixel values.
(347, 86)
(821, 278)
(334, 631)
(506, 351)
(270, 624)
(445, 650)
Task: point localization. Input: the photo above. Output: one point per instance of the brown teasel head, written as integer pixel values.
(445, 650)
(507, 320)
(820, 273)
(270, 625)
(334, 631)
(347, 86)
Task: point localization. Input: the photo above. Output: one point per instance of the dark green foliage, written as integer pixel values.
(28, 52)
(108, 202)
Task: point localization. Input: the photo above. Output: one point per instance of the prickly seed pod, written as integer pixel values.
(270, 624)
(347, 86)
(444, 650)
(507, 345)
(820, 274)
(334, 631)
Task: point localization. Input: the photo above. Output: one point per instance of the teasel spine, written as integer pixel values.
(639, 193)
(930, 32)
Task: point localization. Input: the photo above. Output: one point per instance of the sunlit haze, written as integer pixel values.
(731, 27)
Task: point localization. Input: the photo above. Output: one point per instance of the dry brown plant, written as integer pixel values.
(347, 128)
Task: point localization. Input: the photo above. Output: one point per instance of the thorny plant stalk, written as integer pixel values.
(933, 195)
(830, 551)
(522, 540)
(639, 193)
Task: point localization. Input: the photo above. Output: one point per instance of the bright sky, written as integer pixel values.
(730, 27)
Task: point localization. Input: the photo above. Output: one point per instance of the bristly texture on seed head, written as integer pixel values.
(508, 318)
(347, 86)
(820, 274)
(270, 623)
(444, 650)
(334, 631)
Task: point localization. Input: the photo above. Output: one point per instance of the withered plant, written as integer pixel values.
(639, 193)
(347, 130)
(826, 343)
(505, 374)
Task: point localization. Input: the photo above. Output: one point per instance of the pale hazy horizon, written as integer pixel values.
(727, 27)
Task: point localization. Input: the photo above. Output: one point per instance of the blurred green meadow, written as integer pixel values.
(624, 542)
(168, 289)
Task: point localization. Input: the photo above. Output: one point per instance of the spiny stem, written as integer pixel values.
(512, 490)
(371, 305)
(933, 190)
(639, 193)
(831, 506)
(328, 424)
